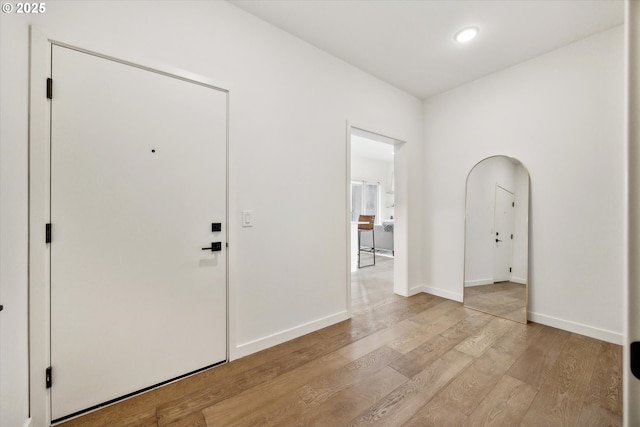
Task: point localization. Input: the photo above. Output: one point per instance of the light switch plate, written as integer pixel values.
(247, 219)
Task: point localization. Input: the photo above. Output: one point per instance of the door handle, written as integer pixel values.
(215, 247)
(497, 240)
(635, 358)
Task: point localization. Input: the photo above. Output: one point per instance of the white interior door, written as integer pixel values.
(138, 177)
(503, 230)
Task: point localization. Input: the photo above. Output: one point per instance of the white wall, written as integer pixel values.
(13, 221)
(375, 171)
(561, 115)
(280, 88)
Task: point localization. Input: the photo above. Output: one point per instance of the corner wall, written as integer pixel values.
(561, 115)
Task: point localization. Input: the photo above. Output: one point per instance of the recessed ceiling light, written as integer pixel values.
(466, 34)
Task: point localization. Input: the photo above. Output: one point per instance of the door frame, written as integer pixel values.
(39, 178)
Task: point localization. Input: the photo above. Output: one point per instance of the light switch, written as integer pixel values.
(247, 219)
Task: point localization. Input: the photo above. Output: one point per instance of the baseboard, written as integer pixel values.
(479, 282)
(455, 296)
(254, 346)
(482, 282)
(577, 328)
(27, 423)
(415, 290)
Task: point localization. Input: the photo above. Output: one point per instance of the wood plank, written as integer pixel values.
(245, 380)
(538, 359)
(269, 404)
(478, 343)
(422, 356)
(268, 413)
(279, 403)
(603, 404)
(596, 416)
(517, 339)
(560, 398)
(442, 308)
(316, 392)
(436, 414)
(406, 400)
(347, 403)
(235, 406)
(315, 382)
(194, 420)
(137, 411)
(458, 399)
(451, 406)
(468, 389)
(505, 299)
(421, 333)
(351, 401)
(377, 339)
(369, 322)
(397, 331)
(505, 405)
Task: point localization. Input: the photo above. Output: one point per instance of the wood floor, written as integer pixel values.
(418, 361)
(504, 299)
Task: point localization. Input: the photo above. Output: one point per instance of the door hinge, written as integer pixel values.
(47, 233)
(513, 204)
(512, 237)
(47, 377)
(49, 88)
(509, 269)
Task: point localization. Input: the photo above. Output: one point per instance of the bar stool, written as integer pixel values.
(365, 224)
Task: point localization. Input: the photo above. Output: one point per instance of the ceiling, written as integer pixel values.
(366, 145)
(409, 43)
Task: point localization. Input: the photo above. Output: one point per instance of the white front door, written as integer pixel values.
(138, 178)
(503, 230)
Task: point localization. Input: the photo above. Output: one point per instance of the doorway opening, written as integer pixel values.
(372, 216)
